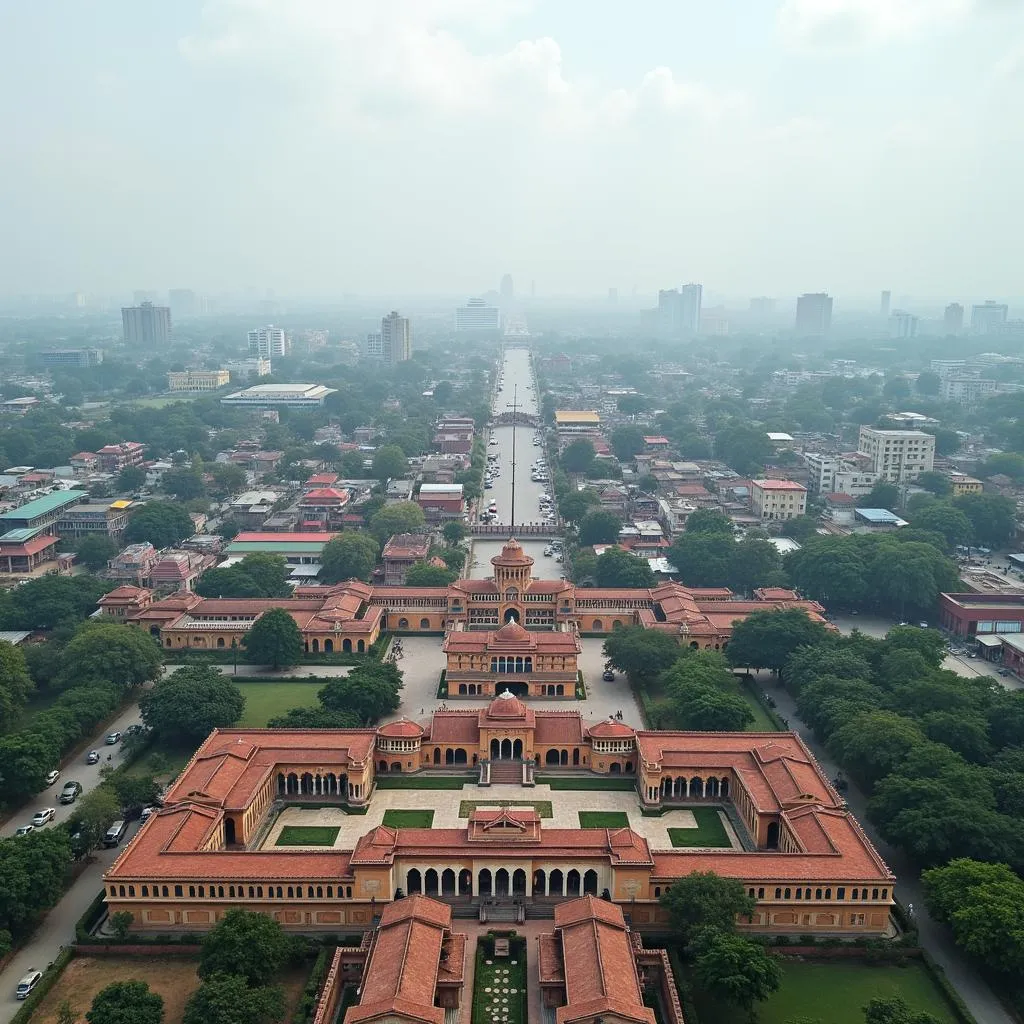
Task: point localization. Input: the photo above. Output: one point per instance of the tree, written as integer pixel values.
(992, 516)
(937, 483)
(643, 654)
(134, 791)
(944, 518)
(126, 1002)
(352, 465)
(735, 969)
(131, 479)
(454, 558)
(1009, 464)
(893, 1010)
(15, 684)
(186, 706)
(34, 870)
(578, 457)
(423, 574)
(767, 639)
(95, 550)
(94, 813)
(389, 463)
(370, 691)
(700, 687)
(800, 528)
(873, 743)
(632, 405)
(743, 448)
(163, 523)
(25, 758)
(627, 442)
(703, 900)
(184, 484)
(599, 527)
(269, 572)
(111, 652)
(618, 568)
(227, 582)
(244, 943)
(576, 504)
(706, 520)
(947, 442)
(51, 601)
(349, 556)
(274, 639)
(121, 923)
(703, 559)
(754, 563)
(882, 495)
(228, 479)
(401, 517)
(928, 383)
(315, 718)
(227, 999)
(454, 532)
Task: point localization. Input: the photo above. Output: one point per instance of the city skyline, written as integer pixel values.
(798, 139)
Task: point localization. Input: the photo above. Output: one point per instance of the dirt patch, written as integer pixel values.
(172, 978)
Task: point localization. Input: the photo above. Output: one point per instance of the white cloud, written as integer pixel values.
(392, 59)
(849, 24)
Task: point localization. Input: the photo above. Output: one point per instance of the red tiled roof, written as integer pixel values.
(403, 728)
(610, 729)
(30, 547)
(256, 537)
(778, 485)
(558, 727)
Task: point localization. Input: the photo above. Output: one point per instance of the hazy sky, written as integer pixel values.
(376, 146)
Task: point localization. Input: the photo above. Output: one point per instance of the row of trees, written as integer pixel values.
(370, 691)
(258, 574)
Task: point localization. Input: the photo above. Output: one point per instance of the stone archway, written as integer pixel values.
(590, 883)
(413, 882)
(511, 615)
(495, 749)
(501, 882)
(772, 836)
(483, 884)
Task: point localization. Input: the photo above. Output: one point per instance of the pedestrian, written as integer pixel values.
(910, 910)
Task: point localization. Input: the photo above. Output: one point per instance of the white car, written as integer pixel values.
(53, 776)
(43, 817)
(147, 812)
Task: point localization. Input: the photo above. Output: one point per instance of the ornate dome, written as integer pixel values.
(506, 705)
(404, 728)
(512, 554)
(511, 631)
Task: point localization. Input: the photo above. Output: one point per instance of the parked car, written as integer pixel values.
(28, 981)
(52, 776)
(147, 812)
(1004, 671)
(112, 738)
(70, 793)
(23, 830)
(43, 817)
(608, 675)
(92, 757)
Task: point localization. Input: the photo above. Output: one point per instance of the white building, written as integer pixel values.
(777, 499)
(268, 342)
(966, 390)
(373, 348)
(294, 396)
(988, 315)
(248, 369)
(476, 315)
(902, 324)
(897, 456)
(395, 340)
(197, 380)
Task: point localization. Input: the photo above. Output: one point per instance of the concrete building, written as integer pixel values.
(24, 550)
(773, 500)
(197, 380)
(42, 513)
(79, 357)
(902, 324)
(897, 456)
(953, 318)
(961, 483)
(268, 342)
(146, 324)
(988, 316)
(248, 369)
(884, 305)
(973, 615)
(813, 314)
(401, 552)
(183, 302)
(571, 423)
(678, 313)
(477, 316)
(395, 338)
(967, 390)
(115, 457)
(441, 502)
(105, 519)
(294, 396)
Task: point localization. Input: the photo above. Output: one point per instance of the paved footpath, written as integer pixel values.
(974, 991)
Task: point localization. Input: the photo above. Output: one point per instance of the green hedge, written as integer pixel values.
(956, 1004)
(93, 913)
(581, 686)
(758, 694)
(305, 1009)
(48, 980)
(683, 988)
(442, 686)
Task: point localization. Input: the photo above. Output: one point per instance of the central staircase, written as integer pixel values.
(506, 773)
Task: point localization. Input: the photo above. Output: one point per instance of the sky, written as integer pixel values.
(330, 147)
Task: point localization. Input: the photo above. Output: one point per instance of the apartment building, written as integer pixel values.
(777, 499)
(897, 456)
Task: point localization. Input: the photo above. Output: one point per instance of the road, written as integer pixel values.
(58, 928)
(519, 383)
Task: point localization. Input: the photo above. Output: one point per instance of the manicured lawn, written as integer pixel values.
(264, 701)
(604, 819)
(419, 782)
(614, 783)
(160, 762)
(836, 992)
(542, 807)
(709, 831)
(490, 981)
(408, 819)
(661, 710)
(307, 835)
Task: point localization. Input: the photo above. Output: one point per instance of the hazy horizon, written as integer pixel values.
(429, 146)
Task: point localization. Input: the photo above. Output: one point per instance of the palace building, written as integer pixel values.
(789, 837)
(537, 658)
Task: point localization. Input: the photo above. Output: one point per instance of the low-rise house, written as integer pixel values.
(400, 553)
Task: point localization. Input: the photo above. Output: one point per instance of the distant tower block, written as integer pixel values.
(508, 290)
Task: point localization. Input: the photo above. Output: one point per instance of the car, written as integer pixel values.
(28, 981)
(922, 625)
(43, 817)
(147, 812)
(23, 830)
(52, 776)
(92, 757)
(548, 552)
(1004, 672)
(608, 675)
(70, 793)
(112, 738)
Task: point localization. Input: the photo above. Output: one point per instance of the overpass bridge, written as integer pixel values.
(548, 531)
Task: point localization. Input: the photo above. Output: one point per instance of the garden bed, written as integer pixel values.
(308, 835)
(408, 819)
(542, 807)
(710, 831)
(604, 819)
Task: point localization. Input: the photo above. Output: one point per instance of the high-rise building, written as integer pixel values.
(690, 296)
(183, 302)
(373, 348)
(268, 342)
(953, 318)
(988, 316)
(613, 296)
(146, 324)
(477, 315)
(886, 298)
(395, 338)
(508, 291)
(902, 325)
(679, 311)
(897, 456)
(813, 314)
(762, 306)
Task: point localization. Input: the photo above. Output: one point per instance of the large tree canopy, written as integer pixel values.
(274, 639)
(184, 707)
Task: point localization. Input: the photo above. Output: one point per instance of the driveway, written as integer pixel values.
(934, 937)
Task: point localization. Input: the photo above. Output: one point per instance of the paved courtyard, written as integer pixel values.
(424, 661)
(565, 807)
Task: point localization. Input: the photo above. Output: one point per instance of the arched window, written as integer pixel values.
(330, 892)
(291, 893)
(787, 894)
(403, 623)
(760, 893)
(145, 890)
(191, 890)
(424, 623)
(817, 894)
